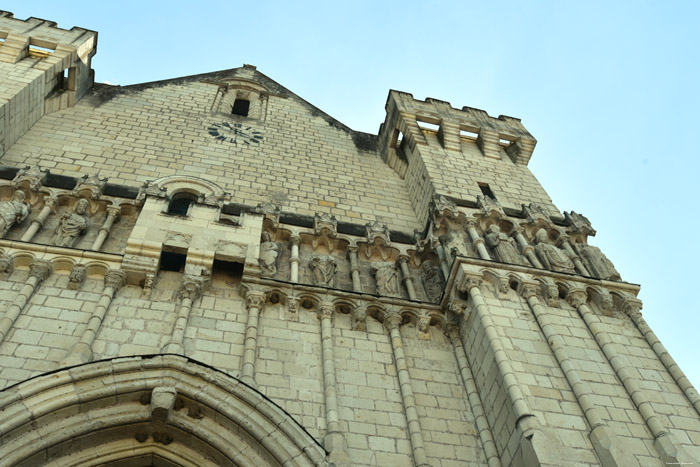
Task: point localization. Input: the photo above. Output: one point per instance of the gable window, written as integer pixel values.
(180, 203)
(240, 107)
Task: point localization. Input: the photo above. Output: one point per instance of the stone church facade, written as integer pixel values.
(209, 270)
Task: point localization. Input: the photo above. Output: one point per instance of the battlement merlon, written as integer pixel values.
(403, 110)
(45, 30)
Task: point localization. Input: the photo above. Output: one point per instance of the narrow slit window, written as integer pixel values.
(240, 107)
(486, 190)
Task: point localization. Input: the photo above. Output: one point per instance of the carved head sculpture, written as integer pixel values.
(541, 236)
(19, 196)
(81, 206)
(266, 237)
(5, 263)
(493, 228)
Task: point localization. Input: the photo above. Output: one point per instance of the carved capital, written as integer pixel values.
(352, 251)
(632, 306)
(255, 299)
(114, 211)
(529, 290)
(470, 223)
(576, 297)
(190, 288)
(470, 281)
(40, 269)
(295, 239)
(50, 202)
(115, 279)
(325, 310)
(392, 320)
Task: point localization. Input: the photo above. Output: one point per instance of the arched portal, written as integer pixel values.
(163, 410)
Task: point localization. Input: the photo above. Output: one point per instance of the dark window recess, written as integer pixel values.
(171, 261)
(227, 270)
(486, 190)
(180, 203)
(240, 107)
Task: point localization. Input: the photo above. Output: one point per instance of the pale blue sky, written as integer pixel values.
(609, 91)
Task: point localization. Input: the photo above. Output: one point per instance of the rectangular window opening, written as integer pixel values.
(486, 190)
(504, 142)
(41, 50)
(240, 107)
(468, 135)
(171, 261)
(226, 273)
(428, 127)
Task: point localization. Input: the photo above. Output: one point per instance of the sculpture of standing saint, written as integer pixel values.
(387, 278)
(13, 212)
(503, 246)
(268, 256)
(597, 263)
(552, 257)
(72, 225)
(323, 270)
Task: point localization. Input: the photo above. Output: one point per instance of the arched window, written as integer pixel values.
(180, 203)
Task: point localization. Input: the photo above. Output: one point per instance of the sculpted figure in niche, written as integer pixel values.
(503, 246)
(598, 264)
(430, 276)
(455, 242)
(323, 270)
(12, 212)
(387, 278)
(72, 225)
(552, 257)
(269, 251)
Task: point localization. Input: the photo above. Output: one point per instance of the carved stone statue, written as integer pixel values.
(503, 246)
(72, 225)
(455, 242)
(430, 276)
(12, 212)
(387, 278)
(323, 270)
(552, 257)
(269, 251)
(597, 263)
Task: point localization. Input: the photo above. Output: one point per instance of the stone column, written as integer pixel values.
(294, 259)
(82, 352)
(392, 321)
(354, 269)
(564, 241)
(190, 290)
(255, 301)
(38, 222)
(112, 213)
(477, 241)
(535, 443)
(38, 271)
(482, 424)
(334, 441)
(407, 279)
(443, 260)
(632, 308)
(607, 446)
(665, 443)
(527, 249)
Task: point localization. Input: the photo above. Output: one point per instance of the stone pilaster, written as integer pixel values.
(38, 271)
(112, 215)
(190, 290)
(255, 302)
(38, 222)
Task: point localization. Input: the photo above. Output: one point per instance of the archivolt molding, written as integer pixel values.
(166, 406)
(207, 192)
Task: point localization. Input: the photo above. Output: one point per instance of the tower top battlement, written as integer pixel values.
(41, 29)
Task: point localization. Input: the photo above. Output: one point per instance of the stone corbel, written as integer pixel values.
(490, 207)
(603, 300)
(77, 276)
(7, 265)
(271, 211)
(423, 326)
(325, 231)
(150, 188)
(378, 239)
(535, 213)
(443, 208)
(359, 318)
